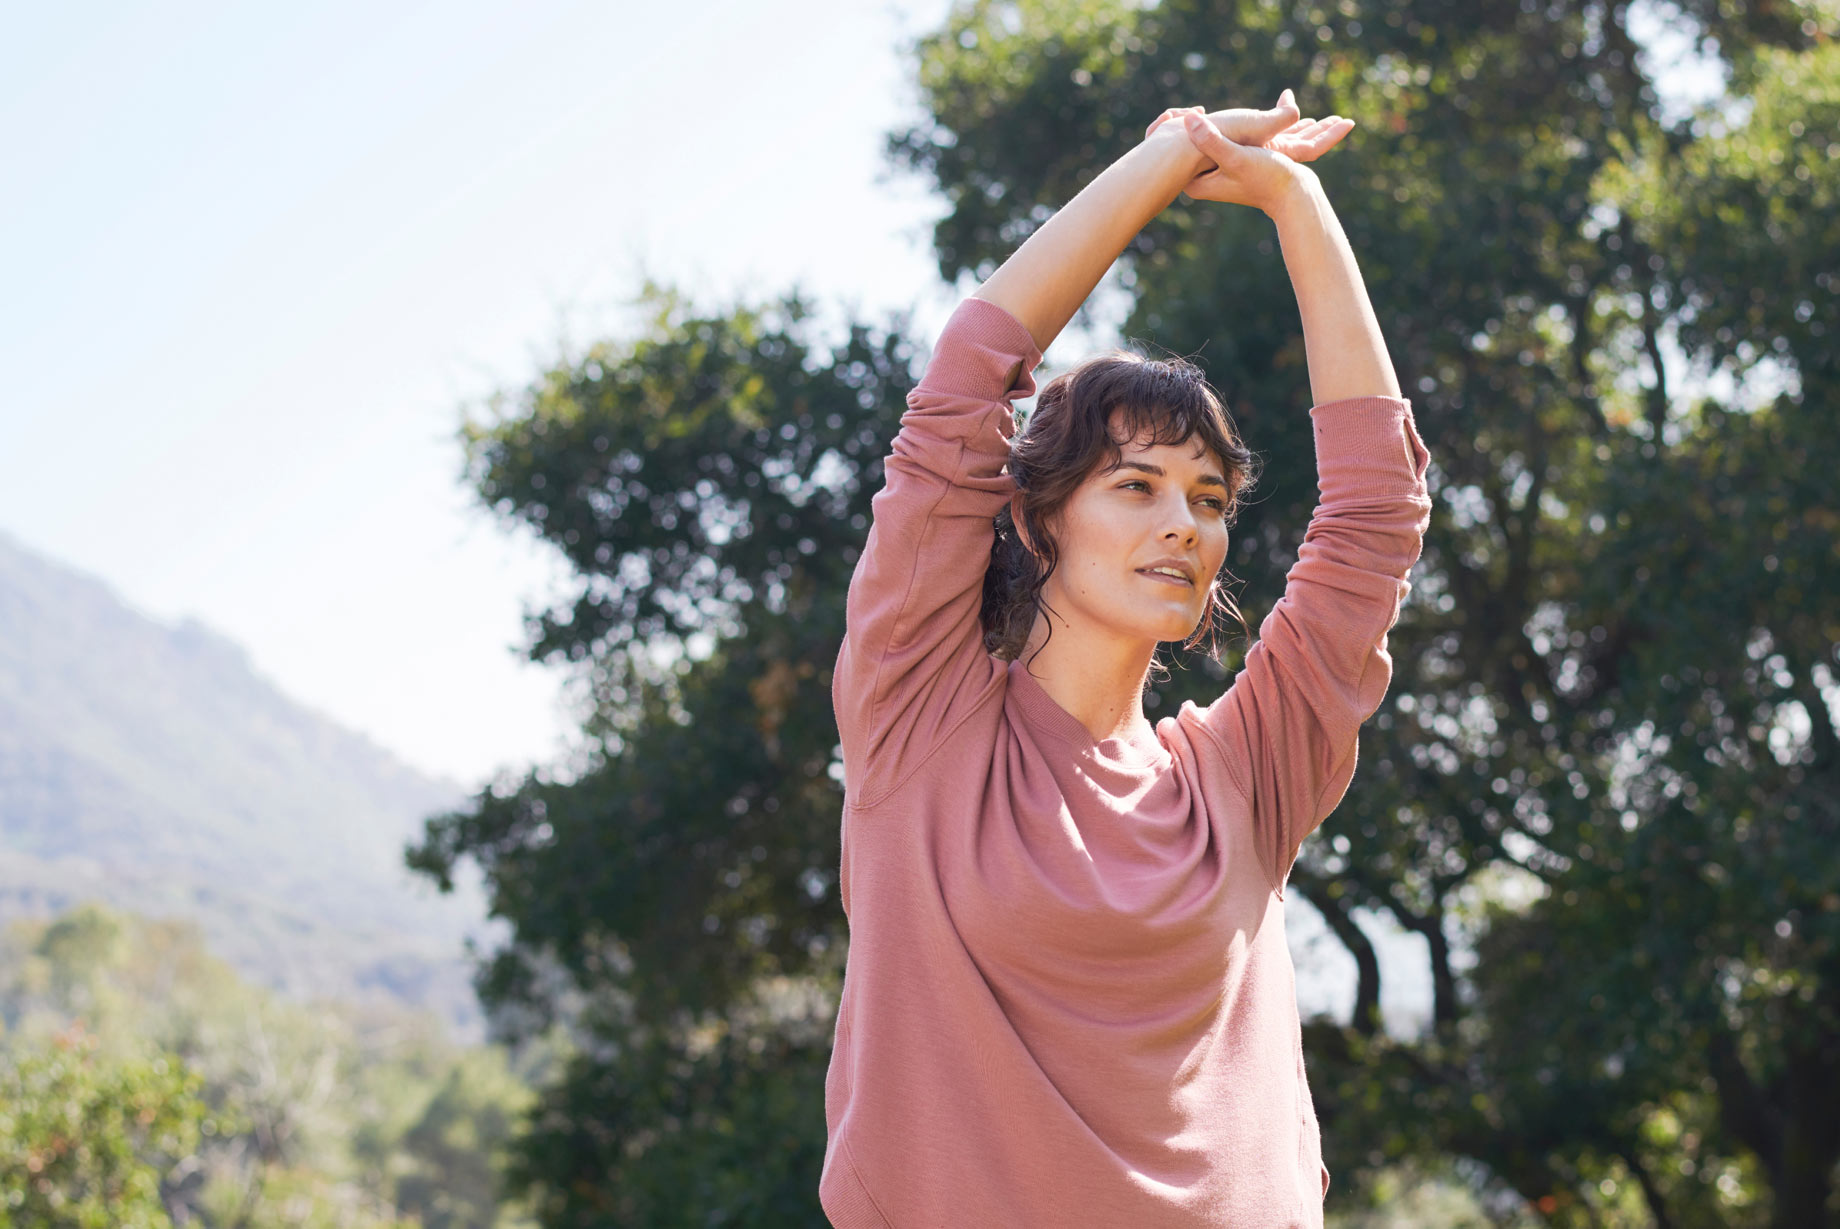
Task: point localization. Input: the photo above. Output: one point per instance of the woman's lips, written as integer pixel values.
(1168, 580)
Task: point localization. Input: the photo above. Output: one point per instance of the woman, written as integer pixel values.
(1068, 999)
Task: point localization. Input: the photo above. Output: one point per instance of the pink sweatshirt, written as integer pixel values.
(1068, 999)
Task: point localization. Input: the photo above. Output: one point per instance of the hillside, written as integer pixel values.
(150, 767)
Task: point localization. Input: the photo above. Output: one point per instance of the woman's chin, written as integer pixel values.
(1170, 629)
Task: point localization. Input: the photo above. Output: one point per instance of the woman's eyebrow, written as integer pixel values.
(1204, 479)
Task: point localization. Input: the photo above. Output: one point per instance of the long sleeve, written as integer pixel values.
(912, 657)
(1289, 724)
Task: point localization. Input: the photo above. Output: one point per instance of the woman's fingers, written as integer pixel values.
(1278, 129)
(1168, 114)
(1208, 140)
(1243, 125)
(1314, 139)
(1309, 130)
(1325, 138)
(1247, 127)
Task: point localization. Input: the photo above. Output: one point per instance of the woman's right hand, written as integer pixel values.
(1258, 155)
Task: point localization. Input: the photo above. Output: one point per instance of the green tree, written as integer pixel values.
(1602, 786)
(88, 1138)
(457, 1148)
(1614, 682)
(709, 482)
(316, 1114)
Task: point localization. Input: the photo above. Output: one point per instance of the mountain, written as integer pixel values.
(151, 767)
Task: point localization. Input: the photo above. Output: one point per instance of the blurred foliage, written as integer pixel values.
(143, 1082)
(710, 485)
(1603, 787)
(86, 1137)
(714, 1132)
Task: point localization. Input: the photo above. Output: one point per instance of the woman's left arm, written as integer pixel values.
(1347, 355)
(1341, 336)
(1289, 726)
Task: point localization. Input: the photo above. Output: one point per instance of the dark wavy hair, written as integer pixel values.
(1069, 437)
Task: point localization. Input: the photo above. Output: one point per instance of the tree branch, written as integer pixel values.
(1340, 918)
(1443, 982)
(1651, 333)
(1657, 1201)
(1580, 308)
(1743, 1108)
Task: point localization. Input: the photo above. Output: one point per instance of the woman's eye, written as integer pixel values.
(1219, 505)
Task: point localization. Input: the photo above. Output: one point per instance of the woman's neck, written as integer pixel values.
(1099, 680)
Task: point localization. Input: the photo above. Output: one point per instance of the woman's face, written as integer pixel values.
(1167, 501)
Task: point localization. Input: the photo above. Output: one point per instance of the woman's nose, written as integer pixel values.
(1183, 525)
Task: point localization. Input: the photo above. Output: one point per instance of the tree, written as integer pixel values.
(458, 1146)
(1602, 786)
(88, 1138)
(131, 1061)
(1614, 681)
(709, 483)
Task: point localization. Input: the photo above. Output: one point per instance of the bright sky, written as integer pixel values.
(258, 258)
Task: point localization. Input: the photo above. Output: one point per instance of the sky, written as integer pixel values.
(261, 260)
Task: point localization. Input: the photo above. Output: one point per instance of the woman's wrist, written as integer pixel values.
(1303, 198)
(1170, 146)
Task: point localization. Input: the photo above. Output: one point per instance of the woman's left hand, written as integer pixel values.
(1257, 154)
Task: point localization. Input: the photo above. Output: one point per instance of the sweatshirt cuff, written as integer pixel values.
(1371, 442)
(979, 346)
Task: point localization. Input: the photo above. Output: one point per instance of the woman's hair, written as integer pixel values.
(1065, 440)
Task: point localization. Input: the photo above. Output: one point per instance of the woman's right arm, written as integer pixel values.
(912, 664)
(1047, 279)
